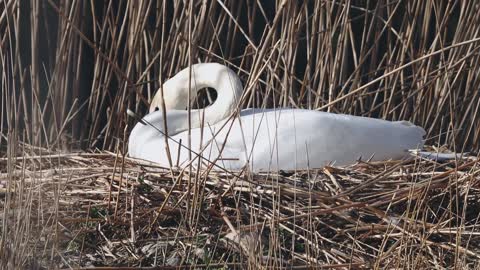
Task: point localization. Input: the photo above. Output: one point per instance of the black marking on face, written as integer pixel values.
(156, 109)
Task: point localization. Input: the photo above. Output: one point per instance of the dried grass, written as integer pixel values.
(97, 209)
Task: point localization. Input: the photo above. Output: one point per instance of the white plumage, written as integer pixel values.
(263, 139)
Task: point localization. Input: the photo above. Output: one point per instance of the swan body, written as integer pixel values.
(261, 139)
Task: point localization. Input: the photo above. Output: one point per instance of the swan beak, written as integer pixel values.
(134, 115)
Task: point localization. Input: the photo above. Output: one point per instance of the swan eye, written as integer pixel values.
(156, 109)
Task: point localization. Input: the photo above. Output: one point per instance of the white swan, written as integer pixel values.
(263, 139)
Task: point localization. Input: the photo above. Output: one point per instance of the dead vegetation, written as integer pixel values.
(98, 209)
(70, 69)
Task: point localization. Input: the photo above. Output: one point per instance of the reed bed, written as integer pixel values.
(97, 210)
(70, 69)
(70, 198)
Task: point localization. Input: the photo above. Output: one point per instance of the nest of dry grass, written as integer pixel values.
(98, 209)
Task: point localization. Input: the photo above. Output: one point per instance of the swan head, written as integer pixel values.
(174, 94)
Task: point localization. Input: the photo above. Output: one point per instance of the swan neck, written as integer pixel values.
(225, 82)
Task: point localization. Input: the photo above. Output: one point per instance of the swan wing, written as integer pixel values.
(294, 139)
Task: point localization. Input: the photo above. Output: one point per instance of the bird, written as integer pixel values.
(226, 138)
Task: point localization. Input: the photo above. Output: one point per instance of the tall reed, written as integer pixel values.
(70, 69)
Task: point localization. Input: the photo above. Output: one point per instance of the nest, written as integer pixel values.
(99, 209)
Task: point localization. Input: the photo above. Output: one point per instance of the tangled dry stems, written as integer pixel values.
(100, 209)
